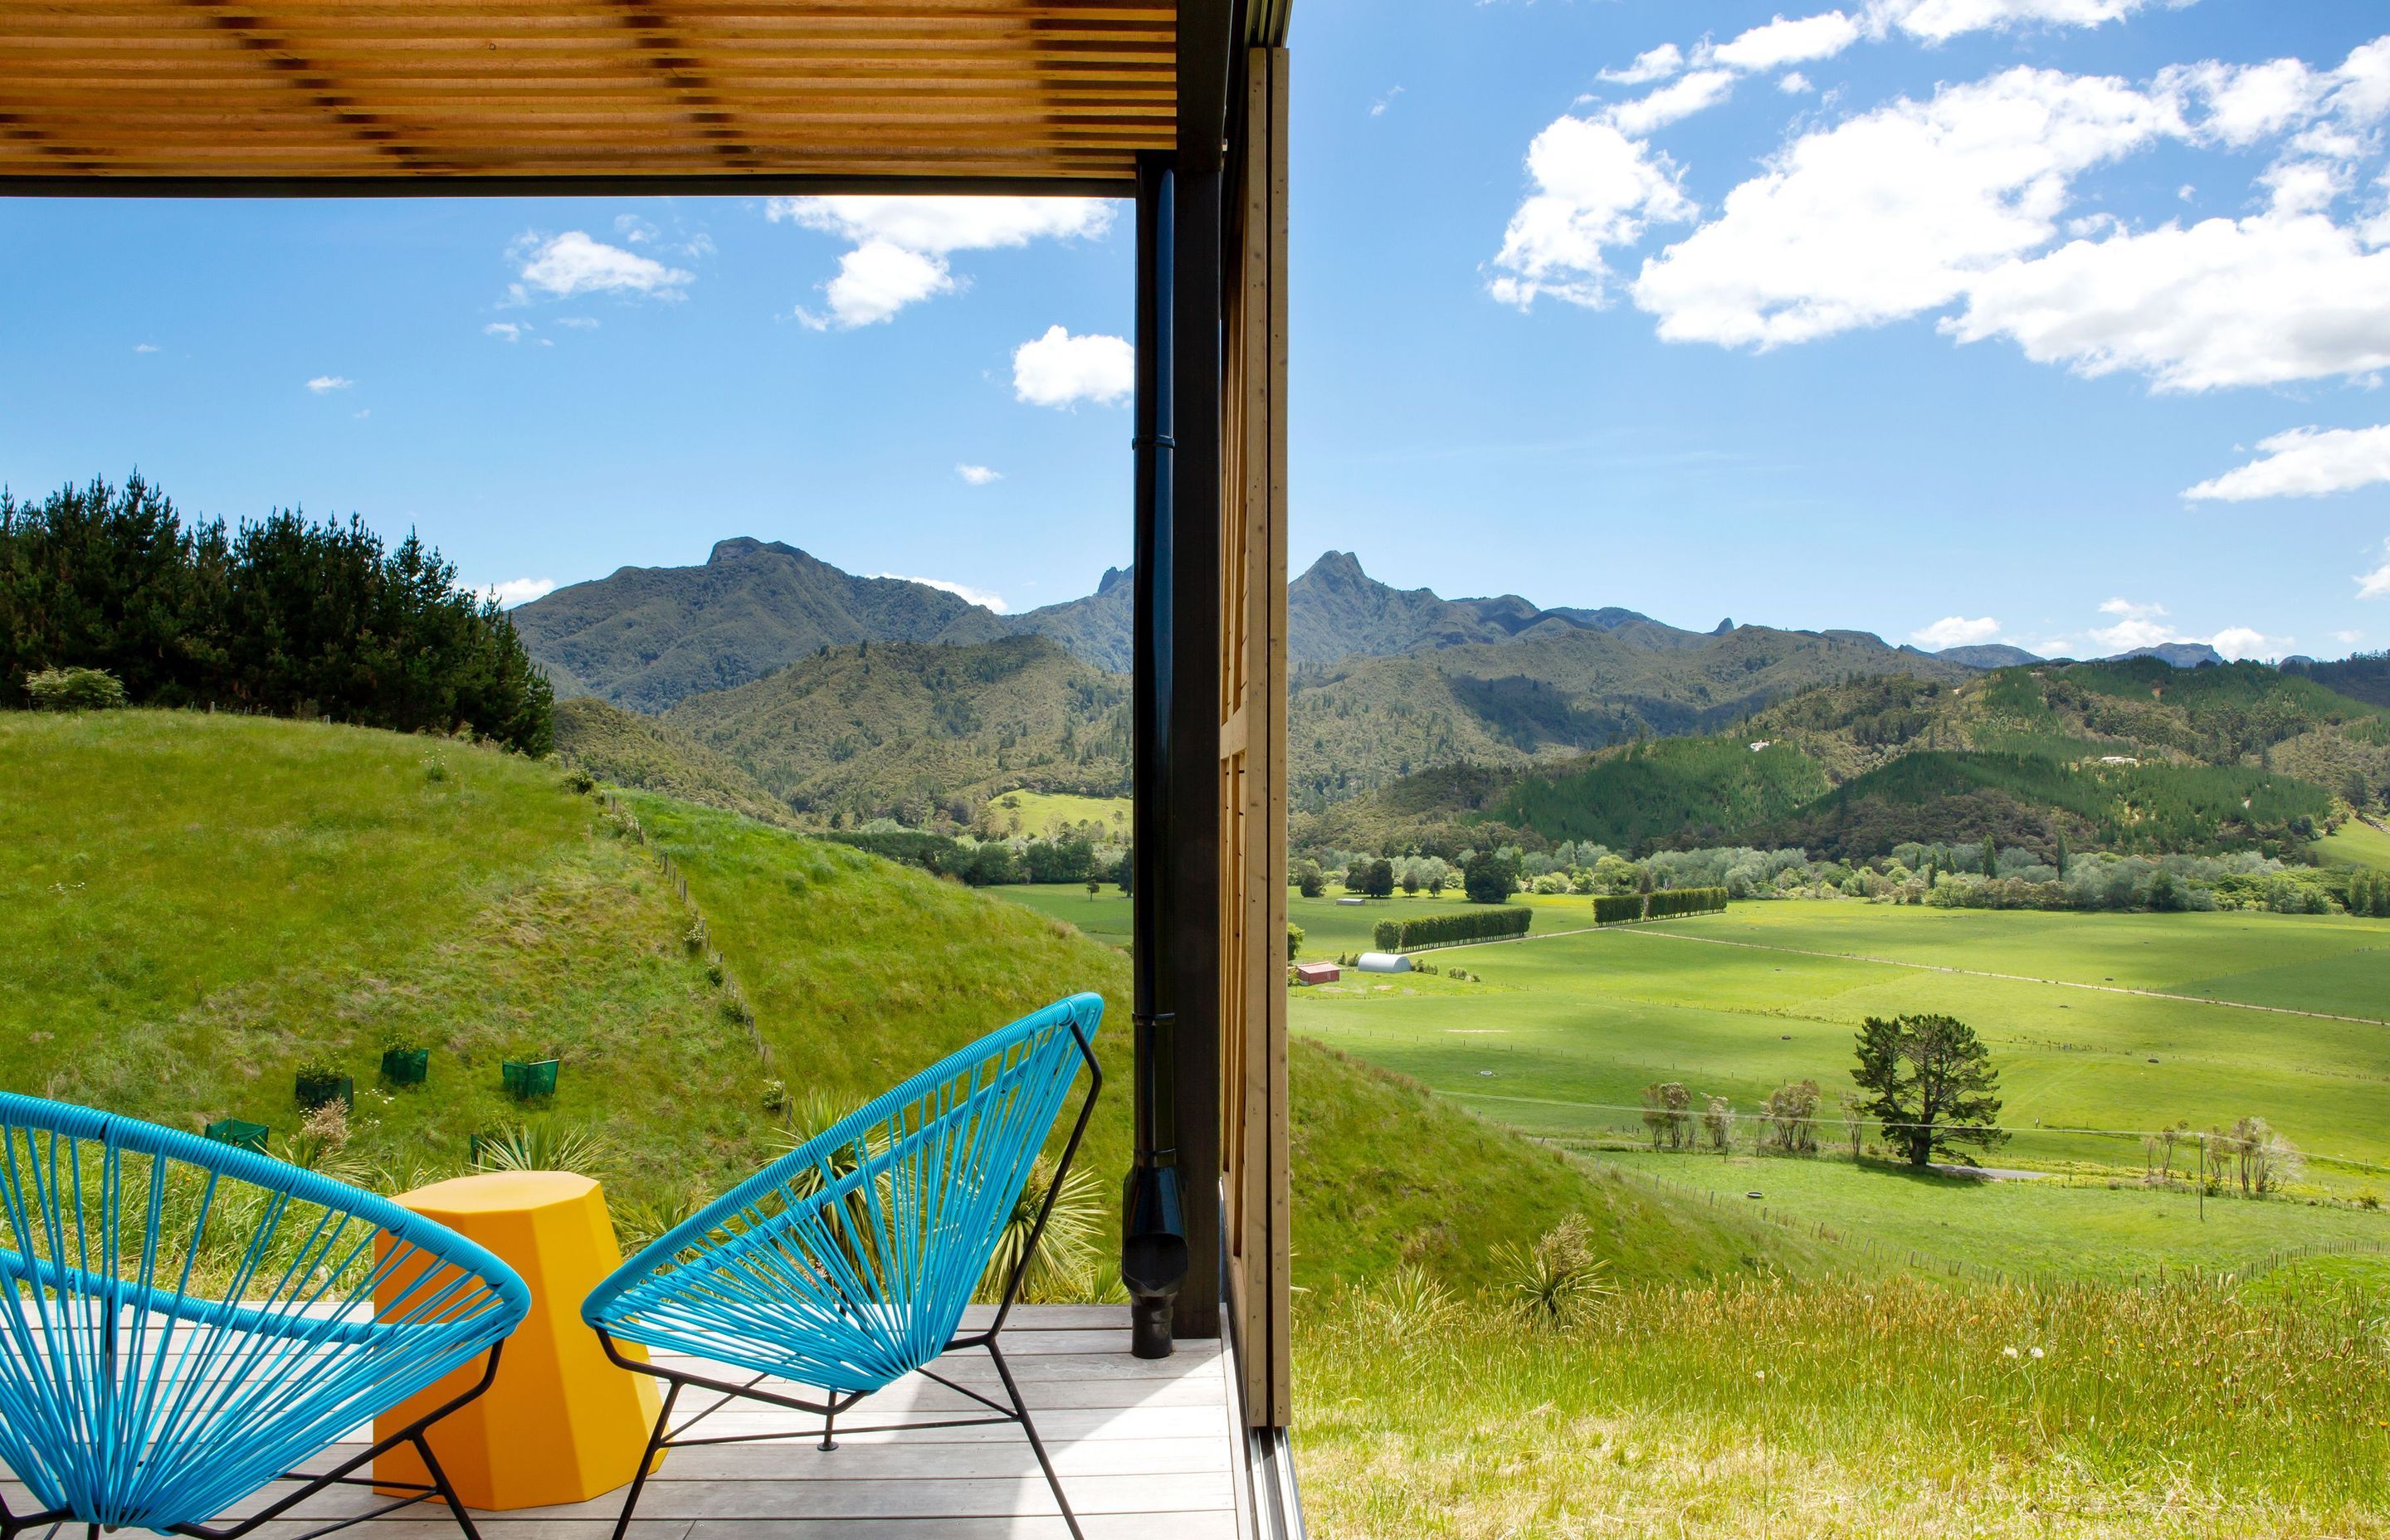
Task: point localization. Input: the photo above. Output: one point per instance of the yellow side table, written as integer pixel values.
(562, 1424)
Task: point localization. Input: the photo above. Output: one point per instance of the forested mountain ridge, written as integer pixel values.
(917, 731)
(648, 637)
(2133, 755)
(1361, 722)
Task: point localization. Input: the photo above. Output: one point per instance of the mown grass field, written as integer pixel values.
(1564, 1032)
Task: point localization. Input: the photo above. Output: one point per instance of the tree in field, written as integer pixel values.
(1853, 1108)
(1309, 879)
(1095, 886)
(1930, 1084)
(1371, 878)
(1668, 1114)
(1991, 857)
(1793, 1117)
(1435, 880)
(1717, 1122)
(1488, 878)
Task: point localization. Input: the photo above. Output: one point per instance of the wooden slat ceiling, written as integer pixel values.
(613, 91)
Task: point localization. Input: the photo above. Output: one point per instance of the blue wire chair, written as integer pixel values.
(846, 1263)
(183, 1321)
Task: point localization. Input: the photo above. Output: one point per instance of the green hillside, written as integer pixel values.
(629, 750)
(920, 732)
(204, 903)
(648, 637)
(2134, 756)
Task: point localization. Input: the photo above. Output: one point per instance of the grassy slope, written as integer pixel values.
(1057, 812)
(201, 903)
(630, 749)
(2355, 844)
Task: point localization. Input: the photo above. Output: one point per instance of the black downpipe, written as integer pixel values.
(1153, 1221)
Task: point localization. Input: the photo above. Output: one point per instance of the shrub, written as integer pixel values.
(73, 689)
(1408, 936)
(1557, 1280)
(1684, 901)
(1617, 908)
(580, 782)
(1488, 878)
(542, 1146)
(1293, 939)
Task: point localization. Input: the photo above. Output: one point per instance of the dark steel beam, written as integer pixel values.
(1153, 1224)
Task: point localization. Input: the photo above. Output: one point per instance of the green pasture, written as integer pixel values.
(2355, 844)
(1049, 813)
(2075, 1228)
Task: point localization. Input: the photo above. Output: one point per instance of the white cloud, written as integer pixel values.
(515, 591)
(1956, 631)
(2305, 462)
(1940, 20)
(1794, 41)
(2348, 639)
(1595, 188)
(578, 322)
(1794, 83)
(876, 280)
(630, 227)
(1377, 107)
(1895, 211)
(1654, 64)
(2265, 300)
(1058, 369)
(145, 347)
(978, 475)
(2375, 584)
(1693, 93)
(945, 224)
(324, 384)
(573, 263)
(984, 598)
(362, 413)
(900, 243)
(2240, 641)
(2138, 625)
(506, 331)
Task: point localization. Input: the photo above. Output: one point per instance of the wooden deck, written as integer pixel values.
(1147, 1451)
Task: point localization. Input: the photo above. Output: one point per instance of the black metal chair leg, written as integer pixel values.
(441, 1485)
(647, 1459)
(1036, 1444)
(829, 1430)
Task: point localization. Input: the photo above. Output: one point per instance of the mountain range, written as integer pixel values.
(839, 696)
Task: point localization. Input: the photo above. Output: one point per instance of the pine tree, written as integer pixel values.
(2062, 857)
(1931, 1084)
(1991, 857)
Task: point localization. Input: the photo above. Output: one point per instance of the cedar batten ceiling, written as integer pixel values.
(1059, 95)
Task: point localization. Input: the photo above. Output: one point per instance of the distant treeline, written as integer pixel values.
(1452, 930)
(985, 863)
(284, 616)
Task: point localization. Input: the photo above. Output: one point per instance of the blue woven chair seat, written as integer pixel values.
(847, 1263)
(183, 1321)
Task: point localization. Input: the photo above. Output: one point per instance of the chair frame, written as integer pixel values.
(242, 1164)
(667, 1435)
(343, 1475)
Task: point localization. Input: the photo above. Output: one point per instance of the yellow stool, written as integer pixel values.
(562, 1424)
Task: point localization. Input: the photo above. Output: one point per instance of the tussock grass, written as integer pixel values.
(1851, 1408)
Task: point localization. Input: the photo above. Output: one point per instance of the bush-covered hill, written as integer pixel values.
(648, 637)
(2132, 756)
(917, 732)
(627, 749)
(199, 905)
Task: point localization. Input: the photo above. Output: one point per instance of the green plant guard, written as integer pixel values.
(243, 1136)
(406, 1066)
(528, 1082)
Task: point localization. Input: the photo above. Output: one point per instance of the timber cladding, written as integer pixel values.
(1062, 91)
(1253, 1143)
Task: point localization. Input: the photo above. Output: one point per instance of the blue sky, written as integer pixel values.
(2059, 322)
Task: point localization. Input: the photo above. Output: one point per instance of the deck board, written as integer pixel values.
(1147, 1450)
